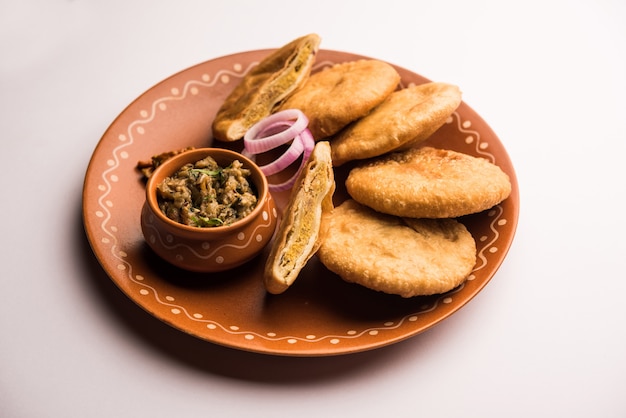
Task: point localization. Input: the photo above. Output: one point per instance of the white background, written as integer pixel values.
(545, 338)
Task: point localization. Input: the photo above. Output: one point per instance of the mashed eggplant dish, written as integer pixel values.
(204, 194)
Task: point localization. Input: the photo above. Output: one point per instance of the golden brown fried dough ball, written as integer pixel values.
(389, 254)
(336, 96)
(428, 183)
(406, 118)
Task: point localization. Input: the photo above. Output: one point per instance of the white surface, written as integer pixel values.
(547, 336)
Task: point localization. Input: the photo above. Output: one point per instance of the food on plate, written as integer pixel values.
(147, 167)
(406, 118)
(338, 95)
(203, 194)
(406, 257)
(287, 126)
(396, 233)
(428, 182)
(265, 86)
(300, 231)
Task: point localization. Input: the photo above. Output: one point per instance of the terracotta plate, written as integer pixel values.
(320, 314)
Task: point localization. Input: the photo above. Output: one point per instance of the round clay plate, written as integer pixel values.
(320, 314)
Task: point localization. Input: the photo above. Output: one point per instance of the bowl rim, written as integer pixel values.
(172, 164)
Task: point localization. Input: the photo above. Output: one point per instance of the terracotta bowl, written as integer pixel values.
(210, 249)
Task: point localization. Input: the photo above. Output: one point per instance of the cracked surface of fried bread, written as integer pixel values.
(338, 95)
(392, 255)
(406, 118)
(427, 182)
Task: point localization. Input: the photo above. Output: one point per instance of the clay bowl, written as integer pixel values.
(208, 249)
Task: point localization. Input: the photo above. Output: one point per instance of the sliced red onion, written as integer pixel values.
(273, 136)
(276, 130)
(293, 152)
(256, 142)
(306, 138)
